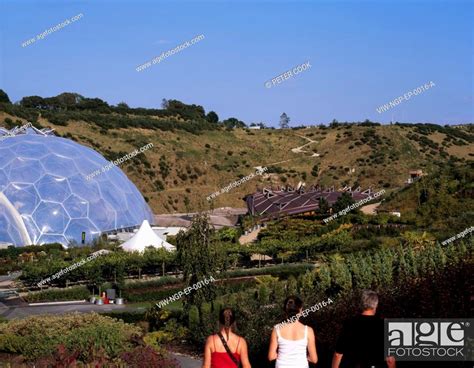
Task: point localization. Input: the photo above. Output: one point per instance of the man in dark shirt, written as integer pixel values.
(360, 344)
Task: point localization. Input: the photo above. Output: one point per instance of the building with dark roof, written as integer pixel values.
(288, 201)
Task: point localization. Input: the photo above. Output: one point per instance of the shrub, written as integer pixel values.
(61, 358)
(171, 331)
(193, 318)
(39, 336)
(127, 317)
(147, 357)
(9, 123)
(159, 185)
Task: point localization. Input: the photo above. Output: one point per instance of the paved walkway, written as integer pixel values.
(250, 237)
(10, 312)
(187, 362)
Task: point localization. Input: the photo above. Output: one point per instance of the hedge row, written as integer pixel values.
(162, 281)
(283, 271)
(73, 293)
(162, 288)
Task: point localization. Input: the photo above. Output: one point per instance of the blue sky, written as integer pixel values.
(363, 54)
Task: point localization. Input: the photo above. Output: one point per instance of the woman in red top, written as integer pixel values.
(215, 353)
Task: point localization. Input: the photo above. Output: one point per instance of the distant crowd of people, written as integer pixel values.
(293, 345)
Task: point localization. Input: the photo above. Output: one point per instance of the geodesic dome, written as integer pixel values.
(45, 196)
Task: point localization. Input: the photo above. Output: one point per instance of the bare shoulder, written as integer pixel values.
(209, 339)
(310, 331)
(241, 339)
(241, 344)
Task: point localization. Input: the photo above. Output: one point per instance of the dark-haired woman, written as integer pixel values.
(292, 343)
(226, 349)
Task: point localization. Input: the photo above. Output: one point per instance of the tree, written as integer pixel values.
(93, 104)
(341, 278)
(263, 294)
(261, 125)
(196, 255)
(164, 104)
(68, 100)
(315, 170)
(187, 112)
(4, 97)
(228, 234)
(233, 123)
(354, 268)
(334, 124)
(307, 283)
(284, 121)
(322, 279)
(323, 205)
(344, 201)
(187, 203)
(123, 105)
(292, 285)
(212, 117)
(155, 257)
(403, 268)
(32, 101)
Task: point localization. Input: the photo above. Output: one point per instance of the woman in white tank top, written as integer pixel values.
(292, 344)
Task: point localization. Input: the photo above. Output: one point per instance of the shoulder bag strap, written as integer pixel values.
(226, 347)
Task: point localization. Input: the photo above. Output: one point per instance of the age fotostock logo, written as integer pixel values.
(429, 339)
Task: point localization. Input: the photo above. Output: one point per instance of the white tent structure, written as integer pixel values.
(145, 237)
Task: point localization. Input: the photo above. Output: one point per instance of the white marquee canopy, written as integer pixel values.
(145, 237)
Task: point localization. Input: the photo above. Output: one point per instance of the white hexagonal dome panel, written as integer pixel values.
(45, 197)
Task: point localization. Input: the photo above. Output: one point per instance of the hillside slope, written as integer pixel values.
(184, 167)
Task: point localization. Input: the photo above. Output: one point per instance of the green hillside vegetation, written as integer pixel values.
(434, 209)
(401, 258)
(441, 203)
(196, 154)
